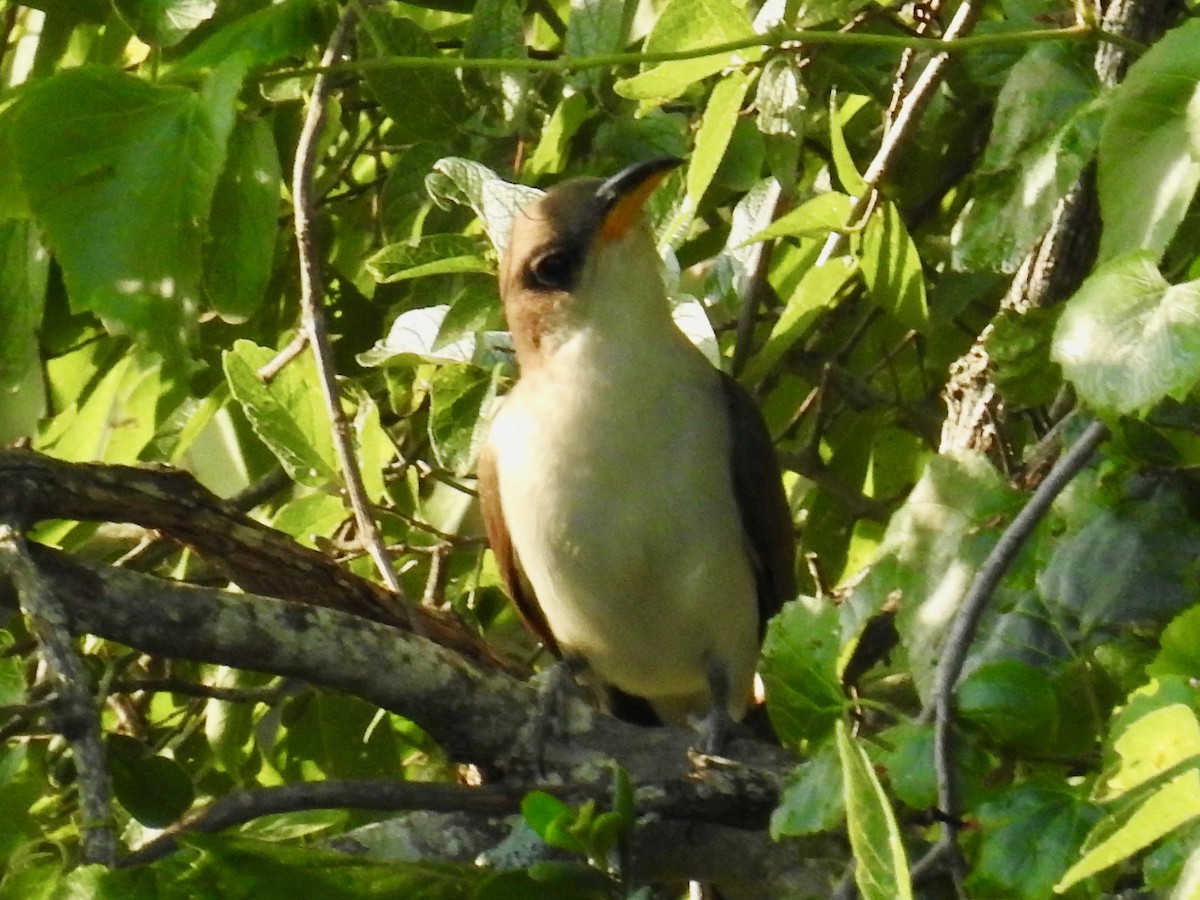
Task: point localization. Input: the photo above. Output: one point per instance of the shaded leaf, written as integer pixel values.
(799, 669)
(1034, 831)
(245, 214)
(813, 798)
(423, 104)
(434, 254)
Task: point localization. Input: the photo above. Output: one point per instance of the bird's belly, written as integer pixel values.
(632, 541)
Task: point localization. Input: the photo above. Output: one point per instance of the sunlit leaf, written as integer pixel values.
(1149, 162)
(1128, 339)
(881, 870)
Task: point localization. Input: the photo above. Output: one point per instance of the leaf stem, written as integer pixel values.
(773, 40)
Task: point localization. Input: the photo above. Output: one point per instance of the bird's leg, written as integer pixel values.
(716, 727)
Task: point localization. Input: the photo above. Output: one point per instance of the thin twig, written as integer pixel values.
(902, 129)
(267, 695)
(774, 40)
(275, 364)
(77, 716)
(970, 611)
(312, 296)
(755, 283)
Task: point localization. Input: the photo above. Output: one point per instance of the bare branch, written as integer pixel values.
(76, 717)
(312, 289)
(970, 611)
(902, 127)
(478, 715)
(34, 488)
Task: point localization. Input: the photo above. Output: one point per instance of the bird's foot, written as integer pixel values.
(715, 729)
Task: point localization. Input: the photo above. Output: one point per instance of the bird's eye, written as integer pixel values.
(551, 270)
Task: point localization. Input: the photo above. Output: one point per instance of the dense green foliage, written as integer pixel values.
(148, 271)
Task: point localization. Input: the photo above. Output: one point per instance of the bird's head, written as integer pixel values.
(581, 256)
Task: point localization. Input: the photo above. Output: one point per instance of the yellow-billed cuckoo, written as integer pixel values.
(630, 490)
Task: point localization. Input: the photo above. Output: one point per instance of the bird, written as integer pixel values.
(630, 490)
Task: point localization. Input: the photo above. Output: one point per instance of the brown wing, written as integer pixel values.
(758, 486)
(506, 555)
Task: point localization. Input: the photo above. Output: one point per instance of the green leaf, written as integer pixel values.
(1155, 732)
(892, 268)
(1128, 339)
(496, 201)
(712, 139)
(245, 214)
(594, 28)
(460, 397)
(311, 516)
(113, 420)
(287, 413)
(423, 104)
(1018, 348)
(781, 99)
(1012, 703)
(688, 25)
(1033, 831)
(98, 882)
(551, 153)
(228, 726)
(126, 203)
(376, 450)
(434, 254)
(1132, 563)
(1175, 804)
(782, 104)
(881, 870)
(931, 550)
(475, 308)
(812, 800)
(240, 869)
(263, 37)
(164, 23)
(1179, 647)
(14, 202)
(799, 669)
(1044, 132)
(154, 789)
(24, 270)
(415, 337)
(1149, 160)
(540, 810)
(818, 290)
(847, 172)
(815, 218)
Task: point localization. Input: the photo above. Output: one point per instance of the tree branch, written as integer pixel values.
(476, 714)
(76, 716)
(312, 291)
(34, 488)
(970, 611)
(240, 807)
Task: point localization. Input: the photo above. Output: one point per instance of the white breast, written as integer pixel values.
(613, 467)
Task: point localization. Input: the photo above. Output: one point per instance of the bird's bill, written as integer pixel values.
(628, 191)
